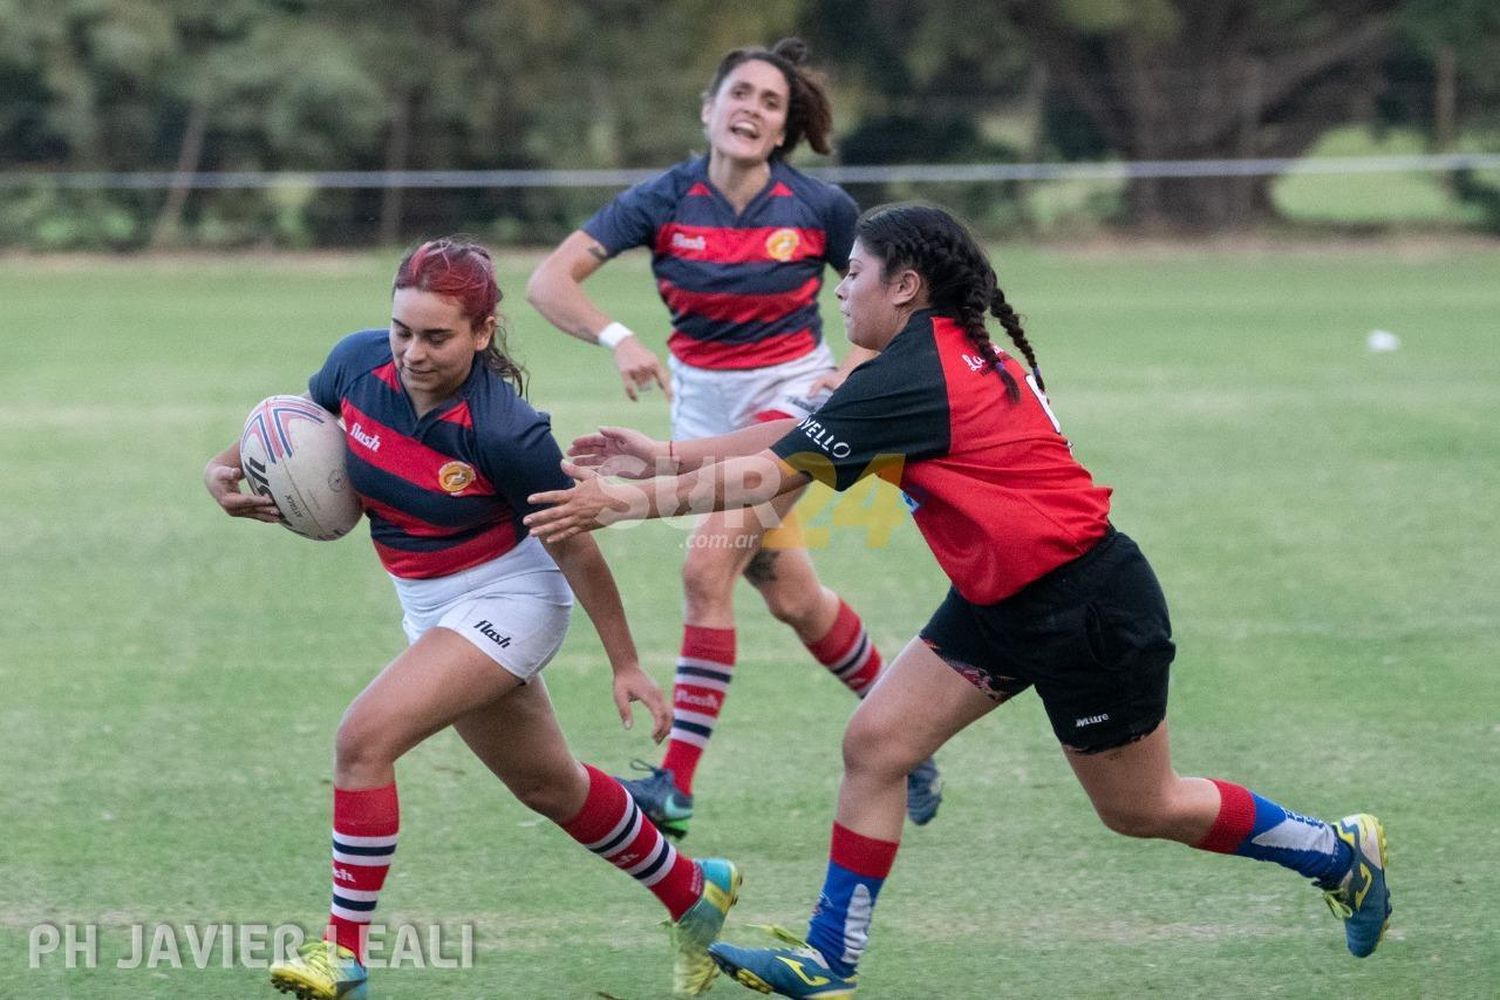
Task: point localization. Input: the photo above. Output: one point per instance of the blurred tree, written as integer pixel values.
(925, 83)
(291, 85)
(1206, 79)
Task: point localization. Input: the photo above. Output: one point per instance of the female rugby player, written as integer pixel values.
(1045, 592)
(739, 240)
(443, 450)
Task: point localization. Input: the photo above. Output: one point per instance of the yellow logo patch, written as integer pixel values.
(454, 477)
(796, 966)
(782, 244)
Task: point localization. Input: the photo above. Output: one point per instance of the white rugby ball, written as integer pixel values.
(292, 450)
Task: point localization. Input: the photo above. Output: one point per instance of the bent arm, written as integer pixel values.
(556, 287)
(222, 476)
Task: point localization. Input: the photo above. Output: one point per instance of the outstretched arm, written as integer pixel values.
(593, 502)
(621, 451)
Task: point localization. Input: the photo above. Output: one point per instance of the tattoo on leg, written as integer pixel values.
(762, 567)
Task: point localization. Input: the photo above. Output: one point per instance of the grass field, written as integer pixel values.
(1323, 520)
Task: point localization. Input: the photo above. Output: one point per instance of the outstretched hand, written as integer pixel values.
(620, 451)
(590, 504)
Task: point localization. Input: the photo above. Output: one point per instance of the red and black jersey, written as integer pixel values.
(992, 483)
(447, 491)
(742, 287)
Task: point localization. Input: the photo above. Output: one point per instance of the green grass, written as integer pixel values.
(1322, 519)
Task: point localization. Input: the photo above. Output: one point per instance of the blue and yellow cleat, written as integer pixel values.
(322, 970)
(660, 800)
(693, 971)
(1362, 899)
(797, 970)
(924, 792)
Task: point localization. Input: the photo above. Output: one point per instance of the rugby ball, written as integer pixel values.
(292, 450)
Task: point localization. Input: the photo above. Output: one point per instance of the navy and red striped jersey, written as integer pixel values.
(993, 484)
(742, 288)
(447, 491)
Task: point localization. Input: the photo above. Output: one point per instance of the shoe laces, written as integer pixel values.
(1335, 898)
(319, 956)
(797, 944)
(640, 765)
(657, 777)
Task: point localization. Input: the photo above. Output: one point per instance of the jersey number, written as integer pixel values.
(1041, 397)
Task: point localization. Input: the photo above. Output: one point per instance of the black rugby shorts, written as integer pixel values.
(1092, 636)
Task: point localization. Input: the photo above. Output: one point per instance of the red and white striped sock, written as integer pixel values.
(365, 823)
(703, 674)
(848, 652)
(612, 826)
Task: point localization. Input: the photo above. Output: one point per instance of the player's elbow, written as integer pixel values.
(539, 286)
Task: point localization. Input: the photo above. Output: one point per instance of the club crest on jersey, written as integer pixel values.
(455, 477)
(782, 244)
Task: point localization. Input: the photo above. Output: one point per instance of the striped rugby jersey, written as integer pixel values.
(742, 289)
(448, 491)
(992, 484)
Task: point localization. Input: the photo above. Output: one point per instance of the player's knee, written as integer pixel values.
(707, 579)
(358, 748)
(873, 748)
(1133, 818)
(791, 607)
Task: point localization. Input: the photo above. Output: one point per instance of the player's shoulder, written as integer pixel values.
(675, 182)
(823, 194)
(500, 413)
(359, 352)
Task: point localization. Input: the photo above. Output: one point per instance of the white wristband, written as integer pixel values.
(611, 335)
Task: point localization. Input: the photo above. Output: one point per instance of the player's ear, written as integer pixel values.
(906, 287)
(484, 332)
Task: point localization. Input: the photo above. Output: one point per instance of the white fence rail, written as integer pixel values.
(918, 173)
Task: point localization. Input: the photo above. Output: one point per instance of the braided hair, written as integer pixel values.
(809, 113)
(960, 281)
(461, 269)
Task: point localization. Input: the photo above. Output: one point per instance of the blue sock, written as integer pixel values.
(1255, 827)
(840, 926)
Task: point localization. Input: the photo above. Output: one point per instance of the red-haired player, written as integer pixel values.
(443, 451)
(739, 242)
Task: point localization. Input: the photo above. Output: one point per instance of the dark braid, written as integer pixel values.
(1001, 310)
(960, 281)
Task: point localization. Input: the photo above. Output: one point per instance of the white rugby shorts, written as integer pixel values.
(707, 402)
(513, 608)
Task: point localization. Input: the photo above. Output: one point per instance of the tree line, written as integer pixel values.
(305, 85)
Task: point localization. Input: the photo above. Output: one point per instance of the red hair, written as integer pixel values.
(462, 270)
(457, 268)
